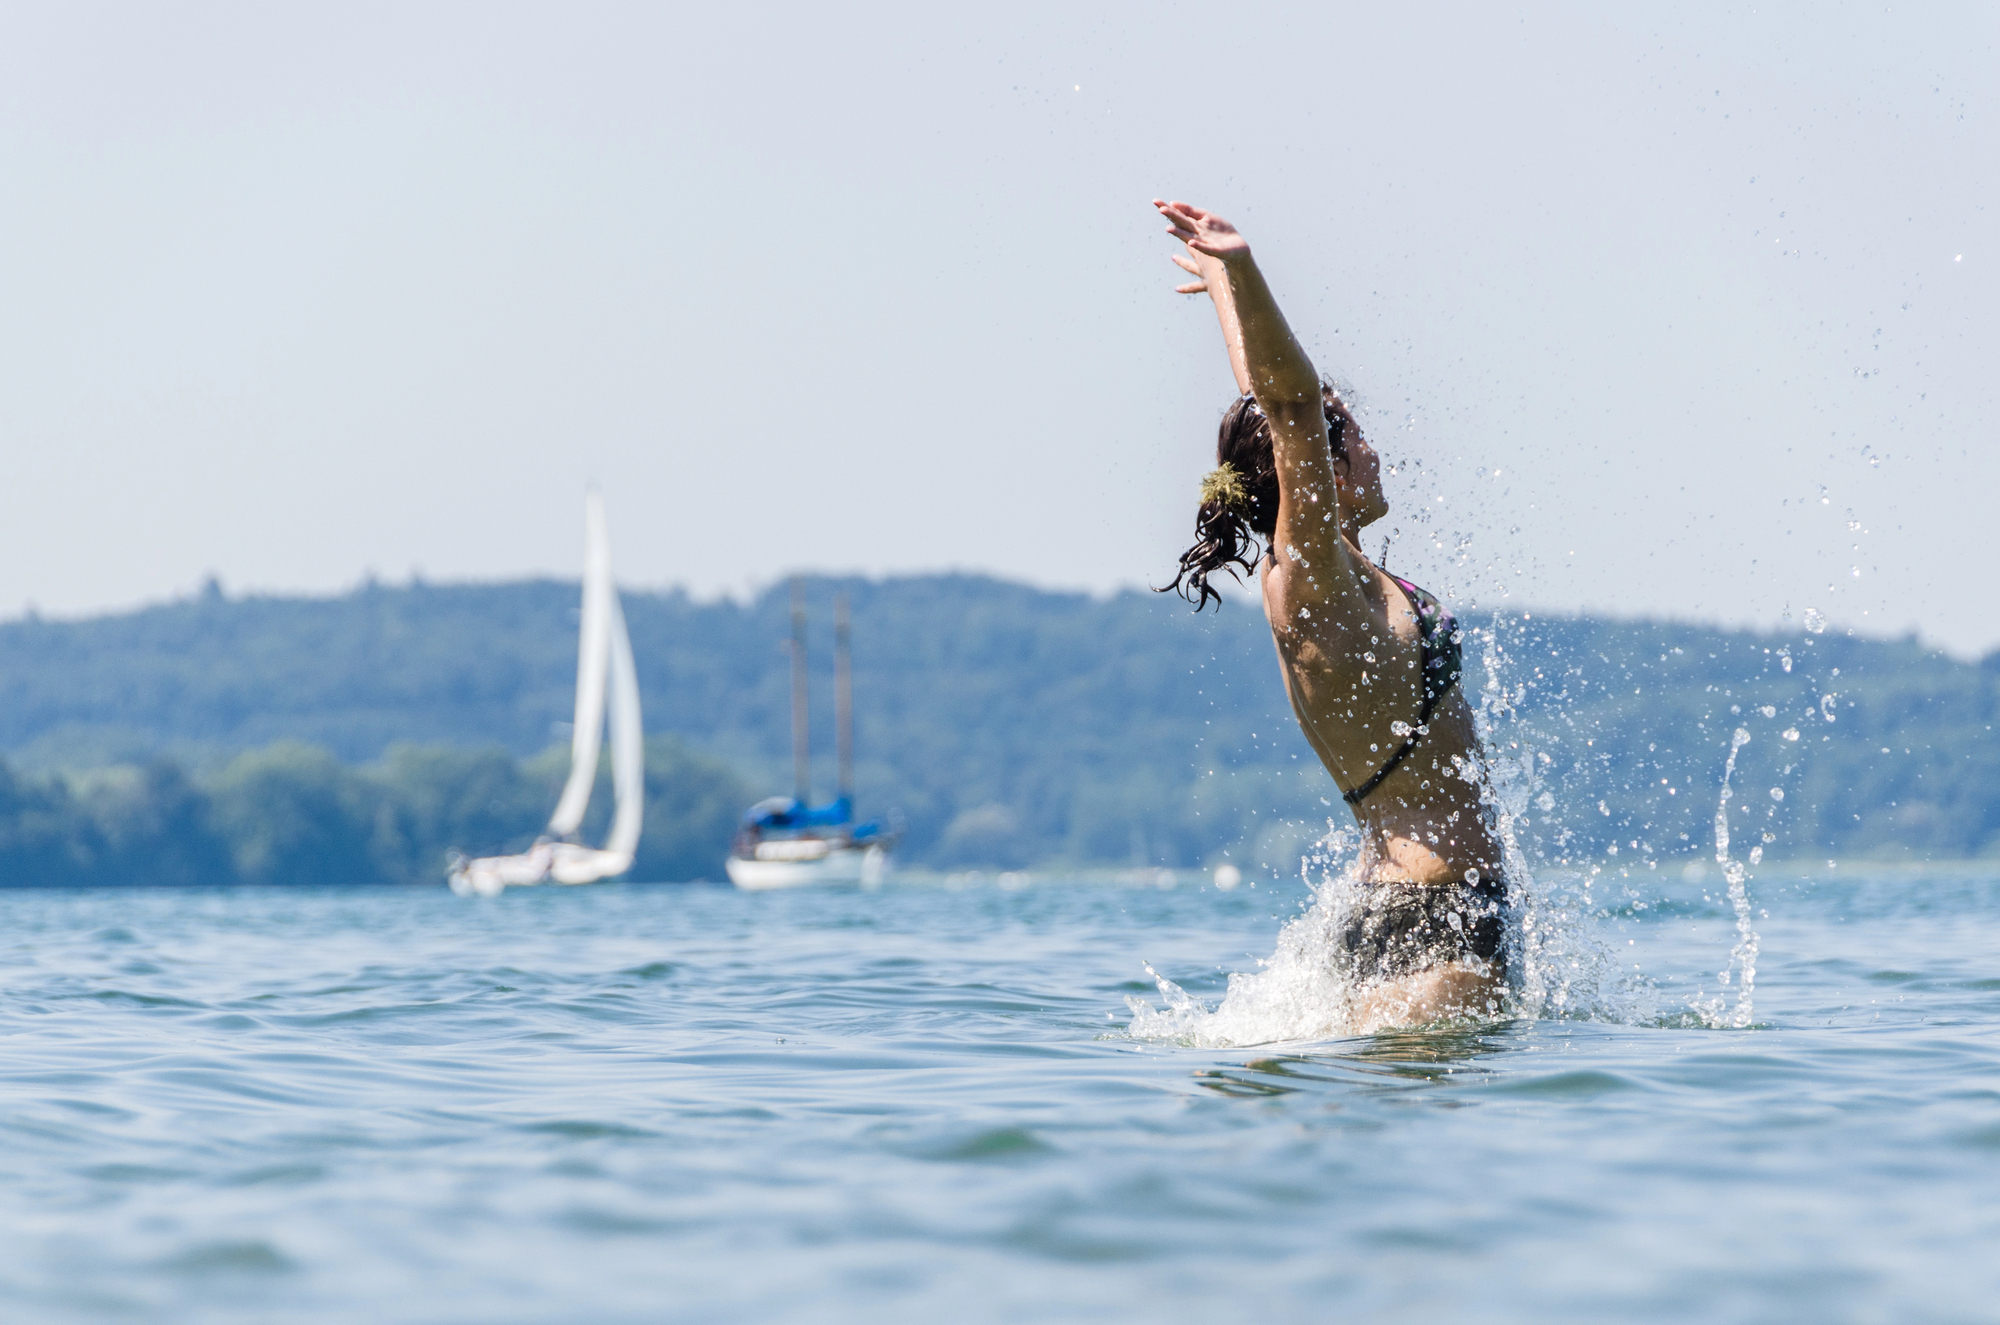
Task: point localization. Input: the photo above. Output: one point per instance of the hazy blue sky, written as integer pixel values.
(1640, 300)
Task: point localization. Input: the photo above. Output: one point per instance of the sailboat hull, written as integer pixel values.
(866, 866)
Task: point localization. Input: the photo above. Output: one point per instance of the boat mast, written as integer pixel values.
(843, 698)
(801, 732)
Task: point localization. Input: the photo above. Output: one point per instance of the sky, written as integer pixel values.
(1688, 314)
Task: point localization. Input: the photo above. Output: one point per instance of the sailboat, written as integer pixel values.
(787, 841)
(604, 672)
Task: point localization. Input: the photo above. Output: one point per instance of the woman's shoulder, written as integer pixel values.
(1339, 623)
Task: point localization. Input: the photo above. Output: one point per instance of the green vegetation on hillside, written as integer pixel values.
(1010, 725)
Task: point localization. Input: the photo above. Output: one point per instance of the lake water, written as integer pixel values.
(653, 1103)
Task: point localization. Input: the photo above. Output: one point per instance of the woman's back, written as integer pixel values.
(1355, 671)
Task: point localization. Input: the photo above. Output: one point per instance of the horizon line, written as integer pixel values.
(212, 586)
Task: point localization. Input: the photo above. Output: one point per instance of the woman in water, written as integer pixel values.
(1371, 662)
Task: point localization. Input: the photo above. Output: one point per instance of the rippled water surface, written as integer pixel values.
(653, 1103)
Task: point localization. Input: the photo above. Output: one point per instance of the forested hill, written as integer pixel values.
(1012, 725)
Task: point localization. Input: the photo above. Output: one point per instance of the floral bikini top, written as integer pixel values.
(1443, 662)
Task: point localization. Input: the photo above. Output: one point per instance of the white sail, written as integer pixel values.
(580, 864)
(604, 670)
(628, 742)
(600, 601)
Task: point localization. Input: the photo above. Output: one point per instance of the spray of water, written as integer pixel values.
(1304, 992)
(1298, 993)
(1564, 969)
(1742, 968)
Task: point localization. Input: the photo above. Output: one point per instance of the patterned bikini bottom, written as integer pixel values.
(1398, 928)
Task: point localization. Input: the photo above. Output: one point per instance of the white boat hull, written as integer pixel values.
(842, 865)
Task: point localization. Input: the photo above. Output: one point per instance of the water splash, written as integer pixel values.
(1582, 889)
(1742, 968)
(1563, 968)
(1298, 994)
(1303, 991)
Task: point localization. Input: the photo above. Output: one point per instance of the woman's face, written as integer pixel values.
(1361, 480)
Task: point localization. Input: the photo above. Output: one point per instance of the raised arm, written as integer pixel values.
(1272, 366)
(1210, 280)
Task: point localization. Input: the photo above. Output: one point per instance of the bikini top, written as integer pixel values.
(1443, 662)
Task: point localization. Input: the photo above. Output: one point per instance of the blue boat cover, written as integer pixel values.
(789, 812)
(782, 813)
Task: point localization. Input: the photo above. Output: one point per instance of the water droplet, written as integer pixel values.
(1769, 710)
(1791, 733)
(1815, 622)
(1777, 793)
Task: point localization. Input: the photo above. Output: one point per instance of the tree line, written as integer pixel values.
(291, 813)
(1012, 726)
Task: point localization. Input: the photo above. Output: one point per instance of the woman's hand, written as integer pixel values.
(1205, 234)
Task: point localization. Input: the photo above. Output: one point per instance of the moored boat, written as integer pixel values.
(787, 841)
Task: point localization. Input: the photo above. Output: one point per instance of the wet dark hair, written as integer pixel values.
(1232, 512)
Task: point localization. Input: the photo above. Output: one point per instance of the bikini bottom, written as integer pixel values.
(1397, 928)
